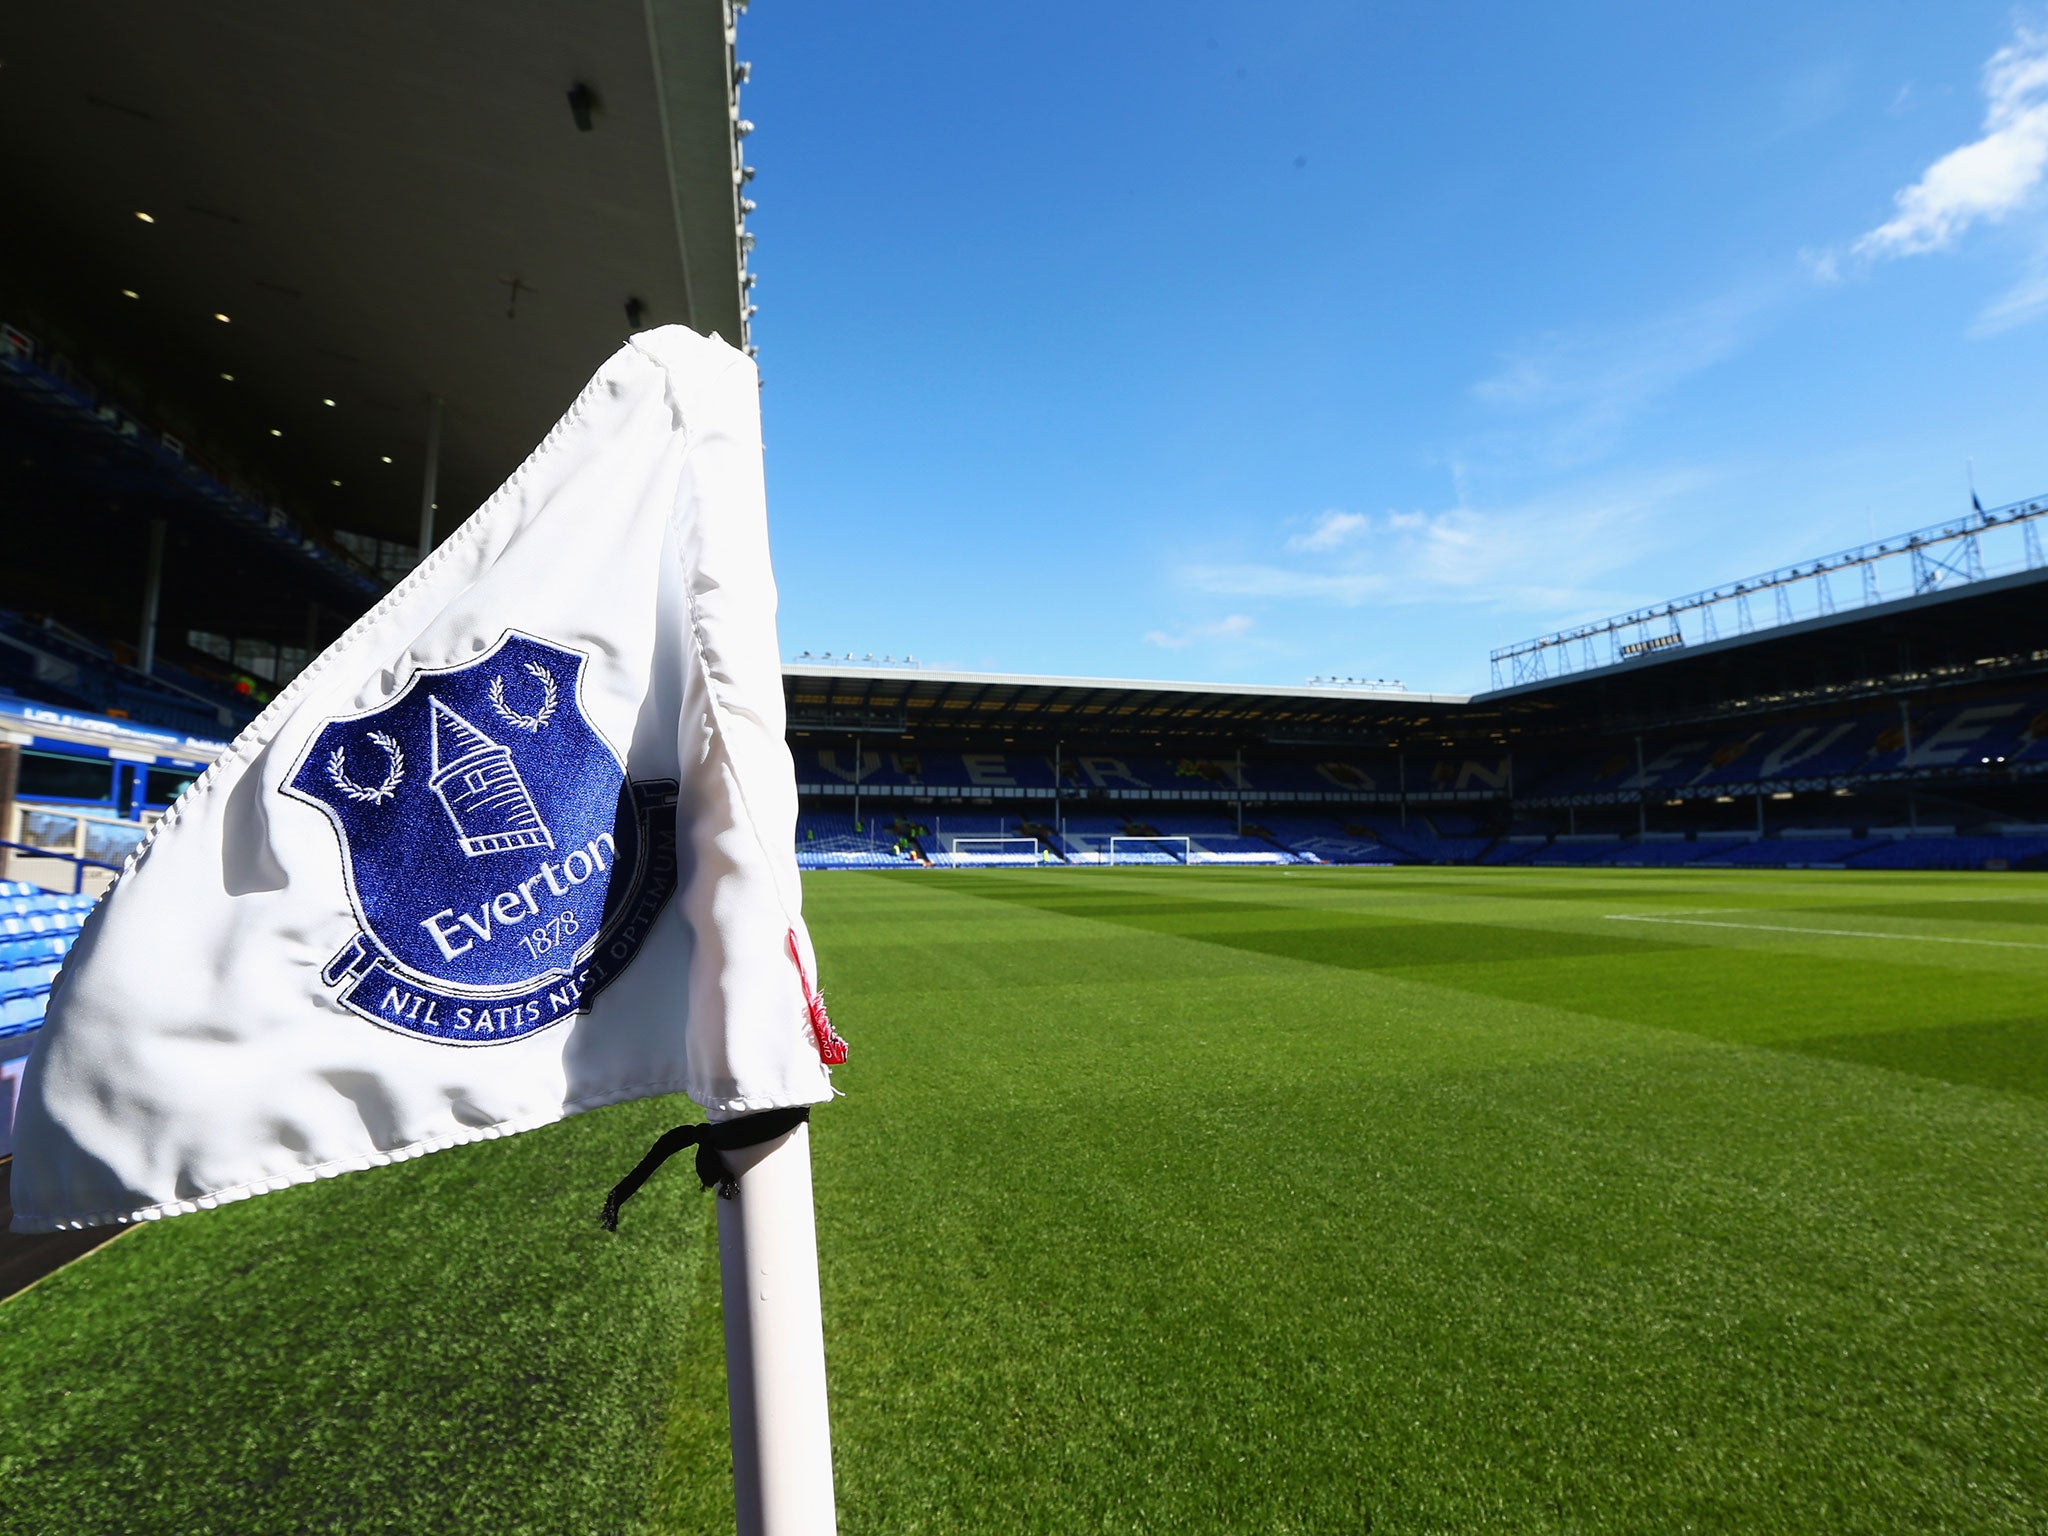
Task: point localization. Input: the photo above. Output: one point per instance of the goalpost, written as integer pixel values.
(995, 850)
(1151, 850)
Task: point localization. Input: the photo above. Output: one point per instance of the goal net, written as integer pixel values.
(995, 850)
(1151, 850)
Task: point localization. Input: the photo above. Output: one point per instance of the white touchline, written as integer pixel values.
(1830, 933)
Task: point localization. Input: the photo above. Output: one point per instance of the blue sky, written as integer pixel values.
(1254, 343)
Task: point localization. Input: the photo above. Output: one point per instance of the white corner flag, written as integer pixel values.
(519, 844)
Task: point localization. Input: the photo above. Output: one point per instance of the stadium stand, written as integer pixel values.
(1325, 839)
(69, 401)
(1915, 737)
(37, 928)
(51, 664)
(1987, 852)
(833, 840)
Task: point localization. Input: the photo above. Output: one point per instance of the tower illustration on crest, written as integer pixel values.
(481, 790)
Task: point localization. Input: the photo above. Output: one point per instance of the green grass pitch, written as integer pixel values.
(1191, 1201)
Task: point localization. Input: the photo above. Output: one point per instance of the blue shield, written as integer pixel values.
(501, 866)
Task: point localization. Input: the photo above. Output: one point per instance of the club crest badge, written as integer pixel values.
(501, 866)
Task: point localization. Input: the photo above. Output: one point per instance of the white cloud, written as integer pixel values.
(2025, 301)
(1987, 178)
(1347, 588)
(1570, 394)
(1539, 556)
(1331, 530)
(1233, 627)
(1810, 96)
(1823, 266)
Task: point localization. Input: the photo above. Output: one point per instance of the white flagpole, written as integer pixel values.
(775, 1343)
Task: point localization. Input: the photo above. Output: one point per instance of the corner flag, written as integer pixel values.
(519, 844)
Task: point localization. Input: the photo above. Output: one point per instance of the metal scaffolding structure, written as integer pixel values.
(1926, 560)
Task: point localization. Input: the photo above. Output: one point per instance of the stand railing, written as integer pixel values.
(78, 862)
(50, 832)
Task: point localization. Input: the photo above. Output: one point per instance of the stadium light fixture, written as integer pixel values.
(147, 218)
(582, 101)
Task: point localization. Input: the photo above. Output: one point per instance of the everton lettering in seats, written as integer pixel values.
(500, 865)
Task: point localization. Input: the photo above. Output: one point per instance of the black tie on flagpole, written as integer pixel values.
(711, 1142)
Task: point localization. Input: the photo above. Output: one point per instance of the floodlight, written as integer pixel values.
(582, 100)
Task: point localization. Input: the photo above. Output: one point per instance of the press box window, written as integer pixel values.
(46, 776)
(165, 785)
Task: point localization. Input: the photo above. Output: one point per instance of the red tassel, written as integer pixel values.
(831, 1049)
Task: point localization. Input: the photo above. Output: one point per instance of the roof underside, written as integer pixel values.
(1987, 632)
(390, 203)
(893, 701)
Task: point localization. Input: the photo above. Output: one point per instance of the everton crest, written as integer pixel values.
(502, 868)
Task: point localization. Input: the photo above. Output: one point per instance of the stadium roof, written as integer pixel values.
(1989, 629)
(898, 700)
(388, 203)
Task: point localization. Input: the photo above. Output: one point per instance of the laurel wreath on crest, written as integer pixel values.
(549, 698)
(337, 770)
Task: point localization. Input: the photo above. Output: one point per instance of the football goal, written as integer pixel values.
(1151, 850)
(995, 850)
